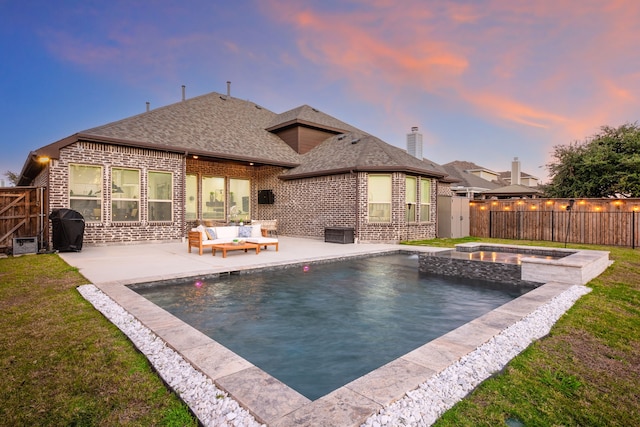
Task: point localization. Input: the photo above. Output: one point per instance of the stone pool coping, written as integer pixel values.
(577, 268)
(273, 403)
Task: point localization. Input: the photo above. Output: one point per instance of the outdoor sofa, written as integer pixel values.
(202, 237)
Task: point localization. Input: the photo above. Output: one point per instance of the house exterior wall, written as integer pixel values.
(398, 229)
(306, 206)
(303, 207)
(110, 156)
(484, 174)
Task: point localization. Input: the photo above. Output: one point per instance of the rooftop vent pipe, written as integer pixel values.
(228, 88)
(183, 92)
(148, 106)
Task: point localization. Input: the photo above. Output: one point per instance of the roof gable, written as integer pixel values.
(309, 116)
(356, 151)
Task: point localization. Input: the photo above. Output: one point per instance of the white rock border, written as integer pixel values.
(212, 406)
(423, 406)
(420, 407)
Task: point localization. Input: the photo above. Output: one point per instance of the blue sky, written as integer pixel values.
(485, 81)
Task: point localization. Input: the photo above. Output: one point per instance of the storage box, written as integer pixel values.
(25, 245)
(338, 235)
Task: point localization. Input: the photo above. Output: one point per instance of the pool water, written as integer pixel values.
(320, 326)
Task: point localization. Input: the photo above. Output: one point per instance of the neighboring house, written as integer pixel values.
(516, 177)
(472, 179)
(512, 192)
(477, 182)
(153, 176)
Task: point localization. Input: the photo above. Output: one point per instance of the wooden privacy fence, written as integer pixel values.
(22, 215)
(612, 222)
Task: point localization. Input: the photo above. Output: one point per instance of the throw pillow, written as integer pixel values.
(256, 230)
(245, 231)
(211, 233)
(203, 232)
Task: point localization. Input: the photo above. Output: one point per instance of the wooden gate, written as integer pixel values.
(22, 214)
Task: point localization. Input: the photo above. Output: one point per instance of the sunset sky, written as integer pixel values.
(485, 81)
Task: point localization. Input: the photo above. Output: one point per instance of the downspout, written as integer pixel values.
(184, 196)
(357, 228)
(436, 203)
(41, 218)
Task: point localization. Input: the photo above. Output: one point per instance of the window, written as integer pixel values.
(411, 192)
(213, 198)
(191, 208)
(379, 197)
(85, 191)
(125, 194)
(239, 196)
(160, 196)
(425, 200)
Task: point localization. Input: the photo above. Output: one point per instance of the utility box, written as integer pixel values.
(338, 235)
(25, 245)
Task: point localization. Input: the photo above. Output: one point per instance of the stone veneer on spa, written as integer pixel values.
(495, 268)
(575, 267)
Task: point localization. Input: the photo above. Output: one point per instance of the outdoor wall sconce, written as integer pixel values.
(571, 202)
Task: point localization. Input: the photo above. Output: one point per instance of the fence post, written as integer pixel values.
(633, 229)
(490, 223)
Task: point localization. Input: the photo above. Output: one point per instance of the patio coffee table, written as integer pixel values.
(231, 247)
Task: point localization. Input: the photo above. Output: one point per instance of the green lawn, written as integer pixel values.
(586, 372)
(63, 363)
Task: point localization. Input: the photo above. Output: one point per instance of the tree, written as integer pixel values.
(605, 165)
(12, 177)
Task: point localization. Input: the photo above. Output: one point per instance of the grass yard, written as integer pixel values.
(586, 372)
(63, 363)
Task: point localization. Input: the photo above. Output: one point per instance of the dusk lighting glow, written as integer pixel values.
(484, 81)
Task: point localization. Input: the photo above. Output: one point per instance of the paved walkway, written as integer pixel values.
(161, 261)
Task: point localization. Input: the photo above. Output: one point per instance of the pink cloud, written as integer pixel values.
(545, 65)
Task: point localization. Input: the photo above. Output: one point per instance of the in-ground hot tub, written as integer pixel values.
(528, 265)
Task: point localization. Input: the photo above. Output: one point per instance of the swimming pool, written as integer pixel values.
(319, 326)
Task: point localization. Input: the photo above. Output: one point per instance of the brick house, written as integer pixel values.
(152, 176)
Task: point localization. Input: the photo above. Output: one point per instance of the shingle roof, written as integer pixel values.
(215, 125)
(307, 115)
(514, 190)
(357, 151)
(219, 126)
(459, 170)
